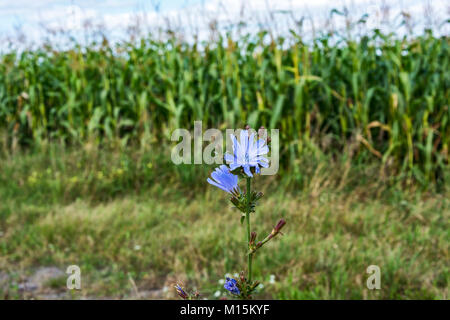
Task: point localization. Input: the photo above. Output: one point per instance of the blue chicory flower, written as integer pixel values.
(224, 180)
(248, 153)
(230, 285)
(181, 292)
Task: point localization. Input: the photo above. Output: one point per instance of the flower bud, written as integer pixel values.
(181, 292)
(277, 228)
(280, 225)
(242, 277)
(252, 237)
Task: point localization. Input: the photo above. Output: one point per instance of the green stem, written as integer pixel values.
(250, 256)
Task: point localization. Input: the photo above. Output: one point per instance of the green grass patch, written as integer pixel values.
(151, 226)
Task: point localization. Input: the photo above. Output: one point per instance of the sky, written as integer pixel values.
(27, 21)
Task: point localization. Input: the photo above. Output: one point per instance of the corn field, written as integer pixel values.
(379, 98)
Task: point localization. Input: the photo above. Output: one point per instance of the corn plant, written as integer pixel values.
(388, 98)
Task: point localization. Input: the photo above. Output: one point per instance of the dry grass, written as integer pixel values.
(168, 231)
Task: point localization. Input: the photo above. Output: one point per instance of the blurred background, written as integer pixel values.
(90, 93)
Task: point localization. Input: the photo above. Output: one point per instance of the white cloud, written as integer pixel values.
(115, 16)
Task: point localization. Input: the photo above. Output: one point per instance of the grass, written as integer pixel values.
(126, 222)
